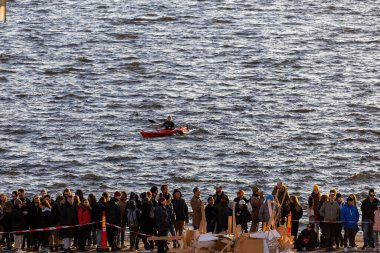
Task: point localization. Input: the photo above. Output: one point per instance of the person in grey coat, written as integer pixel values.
(264, 212)
(330, 210)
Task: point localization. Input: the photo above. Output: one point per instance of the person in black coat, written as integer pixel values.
(211, 215)
(18, 223)
(181, 211)
(242, 215)
(46, 221)
(68, 218)
(99, 208)
(146, 226)
(114, 218)
(55, 219)
(297, 212)
(35, 222)
(7, 223)
(161, 219)
(308, 239)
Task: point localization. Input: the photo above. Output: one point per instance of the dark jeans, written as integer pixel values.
(83, 234)
(112, 233)
(330, 230)
(338, 235)
(349, 235)
(133, 238)
(161, 244)
(367, 227)
(211, 226)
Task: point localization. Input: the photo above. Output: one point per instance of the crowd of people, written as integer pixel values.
(160, 212)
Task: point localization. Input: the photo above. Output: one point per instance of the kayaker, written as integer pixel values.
(168, 124)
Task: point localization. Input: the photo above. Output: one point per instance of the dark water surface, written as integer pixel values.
(273, 90)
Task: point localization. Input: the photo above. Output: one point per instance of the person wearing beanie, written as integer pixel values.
(161, 219)
(313, 204)
(282, 198)
(221, 202)
(338, 228)
(308, 239)
(376, 226)
(368, 208)
(256, 200)
(133, 218)
(349, 216)
(181, 212)
(330, 210)
(242, 215)
(267, 213)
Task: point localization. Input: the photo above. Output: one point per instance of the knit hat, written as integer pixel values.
(143, 195)
(240, 191)
(338, 195)
(349, 199)
(117, 194)
(255, 189)
(371, 191)
(161, 199)
(269, 196)
(315, 187)
(218, 186)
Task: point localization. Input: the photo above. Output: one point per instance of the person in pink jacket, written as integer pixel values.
(376, 225)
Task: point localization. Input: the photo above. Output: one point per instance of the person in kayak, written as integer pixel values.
(168, 124)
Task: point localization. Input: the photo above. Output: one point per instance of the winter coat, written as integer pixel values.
(161, 218)
(296, 214)
(218, 198)
(84, 214)
(113, 212)
(256, 202)
(123, 211)
(68, 218)
(211, 213)
(17, 219)
(243, 217)
(180, 209)
(133, 217)
(264, 214)
(46, 218)
(55, 212)
(368, 208)
(7, 221)
(313, 202)
(307, 238)
(197, 211)
(35, 216)
(98, 214)
(146, 226)
(330, 211)
(169, 209)
(349, 215)
(376, 224)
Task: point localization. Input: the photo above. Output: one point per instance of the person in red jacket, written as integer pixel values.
(84, 217)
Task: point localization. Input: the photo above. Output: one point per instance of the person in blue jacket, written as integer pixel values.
(349, 216)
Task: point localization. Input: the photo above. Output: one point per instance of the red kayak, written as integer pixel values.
(164, 132)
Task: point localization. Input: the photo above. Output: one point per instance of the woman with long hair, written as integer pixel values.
(297, 212)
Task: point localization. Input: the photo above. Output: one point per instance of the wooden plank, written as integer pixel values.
(3, 10)
(164, 238)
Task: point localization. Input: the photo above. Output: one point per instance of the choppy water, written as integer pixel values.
(273, 90)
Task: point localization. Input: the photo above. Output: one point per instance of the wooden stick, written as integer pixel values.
(3, 10)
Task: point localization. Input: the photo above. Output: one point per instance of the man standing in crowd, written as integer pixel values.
(196, 205)
(330, 211)
(221, 201)
(368, 208)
